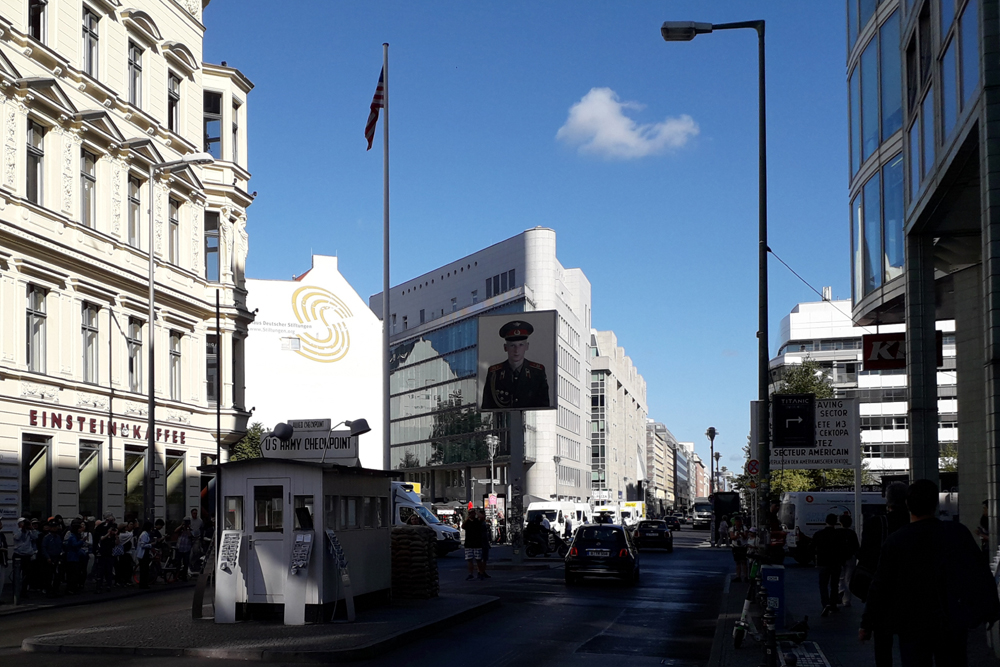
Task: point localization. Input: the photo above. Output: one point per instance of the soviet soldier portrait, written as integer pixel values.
(517, 383)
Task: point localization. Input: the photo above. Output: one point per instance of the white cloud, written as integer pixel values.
(597, 124)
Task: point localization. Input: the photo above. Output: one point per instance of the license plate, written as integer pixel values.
(598, 552)
(651, 534)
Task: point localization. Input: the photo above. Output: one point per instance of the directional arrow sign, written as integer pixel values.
(794, 420)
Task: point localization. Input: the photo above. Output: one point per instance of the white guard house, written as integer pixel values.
(282, 518)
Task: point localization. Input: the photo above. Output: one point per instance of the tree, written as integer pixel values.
(949, 457)
(249, 445)
(805, 378)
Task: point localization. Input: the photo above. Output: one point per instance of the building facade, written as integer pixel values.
(438, 436)
(822, 332)
(683, 485)
(93, 96)
(923, 80)
(660, 453)
(700, 476)
(617, 422)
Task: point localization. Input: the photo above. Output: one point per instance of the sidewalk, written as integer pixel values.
(836, 635)
(40, 601)
(178, 635)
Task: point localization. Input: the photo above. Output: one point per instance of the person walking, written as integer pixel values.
(851, 546)
(983, 530)
(830, 559)
(143, 553)
(487, 534)
(931, 586)
(739, 537)
(183, 534)
(473, 543)
(23, 558)
(723, 538)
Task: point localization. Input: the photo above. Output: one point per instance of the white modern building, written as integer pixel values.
(684, 487)
(661, 446)
(93, 96)
(822, 331)
(315, 352)
(617, 422)
(437, 434)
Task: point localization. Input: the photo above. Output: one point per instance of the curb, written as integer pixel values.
(89, 598)
(365, 651)
(728, 611)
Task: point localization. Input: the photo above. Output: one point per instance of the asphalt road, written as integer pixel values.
(668, 619)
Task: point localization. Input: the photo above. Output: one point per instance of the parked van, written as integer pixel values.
(633, 512)
(803, 513)
(584, 514)
(406, 504)
(607, 514)
(557, 512)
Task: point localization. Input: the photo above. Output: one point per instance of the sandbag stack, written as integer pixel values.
(414, 563)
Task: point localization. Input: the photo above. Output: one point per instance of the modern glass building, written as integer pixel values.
(924, 213)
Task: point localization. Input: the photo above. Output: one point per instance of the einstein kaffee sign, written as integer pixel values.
(837, 441)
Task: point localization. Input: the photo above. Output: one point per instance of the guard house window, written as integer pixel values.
(35, 354)
(36, 19)
(89, 478)
(213, 124)
(173, 102)
(36, 476)
(212, 246)
(90, 42)
(90, 339)
(175, 231)
(134, 210)
(211, 368)
(134, 74)
(36, 162)
(175, 365)
(134, 340)
(88, 188)
(268, 509)
(236, 131)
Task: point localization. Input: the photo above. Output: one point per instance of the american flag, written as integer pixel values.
(378, 101)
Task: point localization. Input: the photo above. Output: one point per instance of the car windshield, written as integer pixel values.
(703, 507)
(548, 514)
(426, 515)
(652, 525)
(602, 533)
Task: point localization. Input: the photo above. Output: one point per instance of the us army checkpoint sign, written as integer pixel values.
(838, 439)
(312, 440)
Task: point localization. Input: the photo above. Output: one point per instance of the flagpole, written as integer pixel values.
(385, 258)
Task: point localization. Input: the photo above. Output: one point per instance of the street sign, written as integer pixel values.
(793, 419)
(836, 438)
(753, 467)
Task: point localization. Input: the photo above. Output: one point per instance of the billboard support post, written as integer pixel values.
(519, 483)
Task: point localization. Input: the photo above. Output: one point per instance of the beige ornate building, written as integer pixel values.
(93, 94)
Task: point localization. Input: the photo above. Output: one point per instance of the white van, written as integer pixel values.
(803, 513)
(406, 505)
(633, 512)
(608, 514)
(584, 514)
(558, 514)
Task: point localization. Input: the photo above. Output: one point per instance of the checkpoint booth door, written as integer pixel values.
(269, 539)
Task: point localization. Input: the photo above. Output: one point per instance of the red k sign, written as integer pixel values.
(883, 352)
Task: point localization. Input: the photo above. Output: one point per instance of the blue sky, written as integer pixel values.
(641, 154)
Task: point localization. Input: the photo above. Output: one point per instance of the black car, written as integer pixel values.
(673, 523)
(653, 533)
(602, 550)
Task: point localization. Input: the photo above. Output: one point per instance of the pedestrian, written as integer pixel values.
(75, 547)
(830, 559)
(487, 534)
(851, 546)
(183, 534)
(144, 553)
(724, 531)
(983, 530)
(197, 530)
(124, 563)
(931, 586)
(738, 538)
(24, 558)
(473, 544)
(104, 566)
(4, 558)
(52, 557)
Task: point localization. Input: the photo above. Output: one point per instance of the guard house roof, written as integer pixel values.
(347, 470)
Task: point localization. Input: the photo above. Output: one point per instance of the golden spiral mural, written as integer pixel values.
(322, 309)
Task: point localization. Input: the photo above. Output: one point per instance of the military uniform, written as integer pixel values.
(524, 389)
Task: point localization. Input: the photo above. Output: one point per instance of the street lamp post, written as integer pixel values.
(555, 460)
(711, 433)
(682, 31)
(492, 442)
(149, 471)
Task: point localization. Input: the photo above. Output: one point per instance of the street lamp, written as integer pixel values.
(149, 496)
(556, 459)
(682, 31)
(711, 433)
(357, 426)
(492, 442)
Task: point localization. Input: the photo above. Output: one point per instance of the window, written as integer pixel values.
(88, 186)
(173, 102)
(135, 475)
(236, 131)
(212, 246)
(174, 240)
(891, 73)
(89, 478)
(872, 234)
(454, 303)
(35, 356)
(90, 341)
(852, 23)
(36, 476)
(421, 315)
(134, 74)
(175, 365)
(36, 162)
(892, 217)
(134, 339)
(211, 368)
(213, 124)
(36, 19)
(475, 296)
(927, 125)
(233, 512)
(134, 210)
(969, 24)
(869, 100)
(90, 43)
(404, 323)
(176, 493)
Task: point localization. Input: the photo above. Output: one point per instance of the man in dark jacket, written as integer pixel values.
(830, 559)
(876, 531)
(931, 585)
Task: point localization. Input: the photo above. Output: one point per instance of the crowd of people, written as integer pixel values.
(54, 557)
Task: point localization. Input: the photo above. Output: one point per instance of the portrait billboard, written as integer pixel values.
(517, 361)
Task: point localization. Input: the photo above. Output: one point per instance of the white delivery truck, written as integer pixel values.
(408, 510)
(608, 514)
(558, 514)
(701, 513)
(633, 512)
(803, 513)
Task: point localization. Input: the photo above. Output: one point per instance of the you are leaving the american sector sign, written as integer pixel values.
(838, 439)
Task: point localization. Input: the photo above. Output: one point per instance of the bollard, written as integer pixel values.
(770, 643)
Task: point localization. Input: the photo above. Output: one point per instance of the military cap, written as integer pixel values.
(516, 330)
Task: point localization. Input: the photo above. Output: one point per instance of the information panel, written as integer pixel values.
(838, 439)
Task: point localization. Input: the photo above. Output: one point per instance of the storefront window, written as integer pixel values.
(176, 483)
(36, 476)
(135, 458)
(89, 471)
